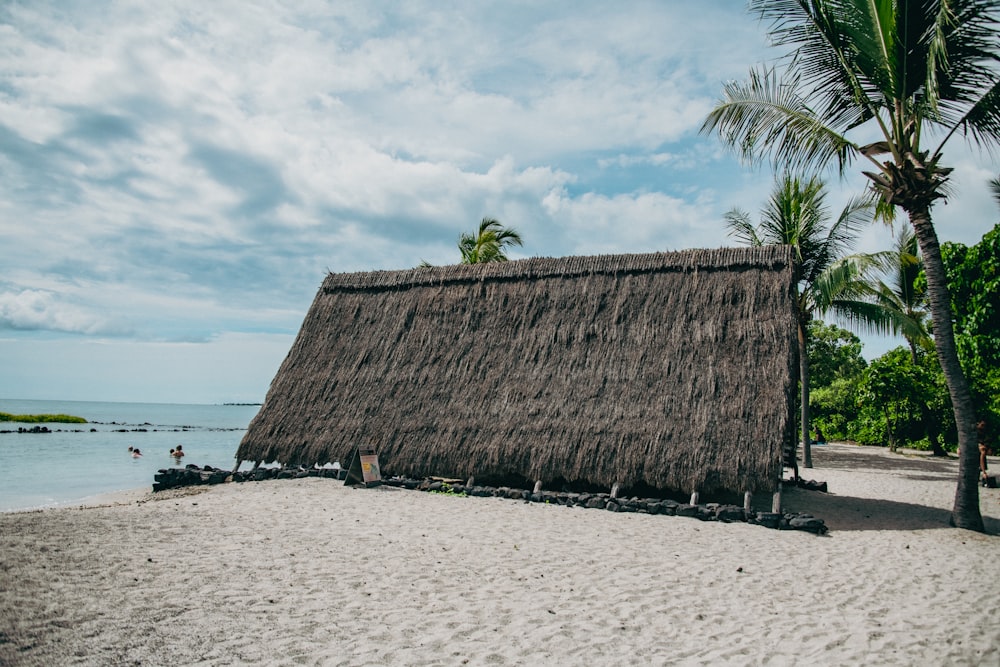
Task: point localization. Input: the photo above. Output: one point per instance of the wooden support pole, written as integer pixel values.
(614, 490)
(469, 483)
(776, 501)
(747, 505)
(694, 497)
(238, 464)
(538, 486)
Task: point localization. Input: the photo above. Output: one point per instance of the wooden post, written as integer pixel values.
(469, 483)
(747, 505)
(694, 497)
(238, 464)
(538, 486)
(614, 490)
(776, 501)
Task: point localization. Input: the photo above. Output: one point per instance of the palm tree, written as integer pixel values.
(908, 72)
(488, 245)
(904, 296)
(796, 215)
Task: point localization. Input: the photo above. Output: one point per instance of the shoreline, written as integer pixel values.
(309, 571)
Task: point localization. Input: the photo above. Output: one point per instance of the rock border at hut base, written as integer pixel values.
(192, 475)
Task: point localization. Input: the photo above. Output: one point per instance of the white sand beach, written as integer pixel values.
(309, 572)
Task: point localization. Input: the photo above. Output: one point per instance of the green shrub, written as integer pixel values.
(42, 419)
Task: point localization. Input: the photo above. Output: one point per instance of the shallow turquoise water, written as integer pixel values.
(77, 461)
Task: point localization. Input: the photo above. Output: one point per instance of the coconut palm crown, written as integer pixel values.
(889, 83)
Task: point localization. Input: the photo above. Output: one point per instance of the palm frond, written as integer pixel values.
(981, 121)
(823, 57)
(837, 282)
(869, 317)
(767, 116)
(741, 227)
(966, 71)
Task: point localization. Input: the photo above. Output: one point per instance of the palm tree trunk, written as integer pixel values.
(965, 513)
(807, 461)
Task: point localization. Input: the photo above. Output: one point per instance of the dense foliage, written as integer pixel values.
(901, 399)
(974, 280)
(895, 401)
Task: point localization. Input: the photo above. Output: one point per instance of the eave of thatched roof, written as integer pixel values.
(672, 370)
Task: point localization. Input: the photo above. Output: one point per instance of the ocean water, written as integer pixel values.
(77, 461)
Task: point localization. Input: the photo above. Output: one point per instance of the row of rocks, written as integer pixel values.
(193, 475)
(704, 512)
(808, 484)
(26, 429)
(169, 478)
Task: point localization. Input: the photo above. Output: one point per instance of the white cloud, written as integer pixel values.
(629, 223)
(40, 310)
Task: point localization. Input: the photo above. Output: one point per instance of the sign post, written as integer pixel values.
(364, 469)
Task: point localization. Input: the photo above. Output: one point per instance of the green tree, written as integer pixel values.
(909, 73)
(909, 397)
(974, 280)
(489, 244)
(835, 370)
(834, 354)
(796, 214)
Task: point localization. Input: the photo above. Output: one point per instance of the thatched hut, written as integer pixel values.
(670, 370)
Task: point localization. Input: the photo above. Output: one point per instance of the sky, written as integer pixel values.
(177, 178)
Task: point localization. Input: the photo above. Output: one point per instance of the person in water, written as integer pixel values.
(136, 453)
(177, 453)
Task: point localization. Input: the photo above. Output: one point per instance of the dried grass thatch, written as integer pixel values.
(669, 370)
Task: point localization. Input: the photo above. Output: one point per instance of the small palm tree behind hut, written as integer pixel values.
(489, 243)
(796, 215)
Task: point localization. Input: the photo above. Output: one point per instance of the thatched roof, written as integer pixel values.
(672, 370)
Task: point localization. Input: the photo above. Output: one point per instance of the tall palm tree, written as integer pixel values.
(907, 73)
(488, 244)
(796, 215)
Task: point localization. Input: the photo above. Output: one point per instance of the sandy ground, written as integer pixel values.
(308, 572)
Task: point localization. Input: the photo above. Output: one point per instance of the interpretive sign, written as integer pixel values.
(364, 468)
